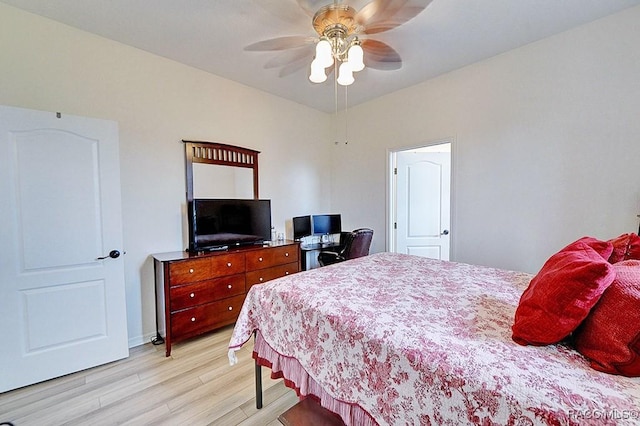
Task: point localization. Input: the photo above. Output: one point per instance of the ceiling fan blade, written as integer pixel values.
(380, 56)
(290, 56)
(402, 16)
(377, 10)
(383, 15)
(370, 10)
(280, 43)
(293, 67)
(383, 65)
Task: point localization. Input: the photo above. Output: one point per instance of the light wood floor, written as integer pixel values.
(194, 386)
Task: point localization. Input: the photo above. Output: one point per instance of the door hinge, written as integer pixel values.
(395, 170)
(395, 225)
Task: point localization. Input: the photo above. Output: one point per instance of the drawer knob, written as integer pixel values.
(231, 308)
(229, 264)
(191, 271)
(229, 286)
(286, 254)
(192, 295)
(193, 319)
(286, 273)
(261, 279)
(260, 259)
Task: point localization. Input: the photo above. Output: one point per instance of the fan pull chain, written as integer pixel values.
(346, 115)
(346, 107)
(335, 95)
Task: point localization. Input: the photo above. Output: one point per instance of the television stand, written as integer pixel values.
(200, 292)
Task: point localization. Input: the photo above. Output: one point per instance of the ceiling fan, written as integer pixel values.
(343, 38)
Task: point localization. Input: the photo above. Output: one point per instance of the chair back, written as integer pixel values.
(357, 243)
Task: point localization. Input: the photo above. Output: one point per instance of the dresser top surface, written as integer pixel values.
(181, 255)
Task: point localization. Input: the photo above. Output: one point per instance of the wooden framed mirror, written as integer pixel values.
(229, 177)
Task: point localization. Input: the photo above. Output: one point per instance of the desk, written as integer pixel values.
(315, 247)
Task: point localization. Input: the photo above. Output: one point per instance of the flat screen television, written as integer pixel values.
(216, 223)
(301, 227)
(325, 224)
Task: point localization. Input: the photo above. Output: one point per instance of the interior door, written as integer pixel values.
(422, 214)
(62, 301)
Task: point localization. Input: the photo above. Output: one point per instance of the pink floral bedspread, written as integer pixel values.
(393, 339)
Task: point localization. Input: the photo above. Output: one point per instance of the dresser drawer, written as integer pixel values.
(264, 275)
(190, 295)
(202, 318)
(188, 271)
(268, 257)
(227, 264)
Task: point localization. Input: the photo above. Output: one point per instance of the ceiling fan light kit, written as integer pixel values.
(345, 74)
(336, 25)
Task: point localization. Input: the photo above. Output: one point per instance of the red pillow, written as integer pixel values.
(625, 247)
(561, 295)
(610, 336)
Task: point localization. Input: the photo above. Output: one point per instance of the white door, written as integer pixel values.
(62, 308)
(422, 213)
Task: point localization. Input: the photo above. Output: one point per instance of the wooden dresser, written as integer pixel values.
(199, 293)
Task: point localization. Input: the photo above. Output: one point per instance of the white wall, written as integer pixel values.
(546, 145)
(48, 66)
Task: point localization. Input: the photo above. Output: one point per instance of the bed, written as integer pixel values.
(393, 339)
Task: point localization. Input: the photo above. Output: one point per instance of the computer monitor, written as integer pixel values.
(325, 224)
(301, 227)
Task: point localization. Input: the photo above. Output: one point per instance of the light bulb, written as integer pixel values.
(356, 55)
(324, 55)
(317, 72)
(345, 76)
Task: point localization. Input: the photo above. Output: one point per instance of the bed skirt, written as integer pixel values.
(295, 377)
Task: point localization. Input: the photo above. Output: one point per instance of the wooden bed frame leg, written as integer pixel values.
(258, 385)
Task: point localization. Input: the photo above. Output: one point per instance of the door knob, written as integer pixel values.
(445, 232)
(114, 254)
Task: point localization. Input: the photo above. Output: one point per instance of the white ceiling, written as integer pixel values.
(211, 34)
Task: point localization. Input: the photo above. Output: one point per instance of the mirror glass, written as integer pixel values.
(216, 181)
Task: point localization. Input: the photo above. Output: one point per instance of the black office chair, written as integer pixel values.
(356, 244)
